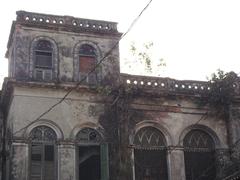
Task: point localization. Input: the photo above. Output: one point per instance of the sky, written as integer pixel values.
(194, 37)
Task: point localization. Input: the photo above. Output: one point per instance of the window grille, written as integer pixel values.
(43, 158)
(43, 60)
(150, 155)
(199, 156)
(43, 134)
(44, 45)
(88, 135)
(149, 138)
(87, 50)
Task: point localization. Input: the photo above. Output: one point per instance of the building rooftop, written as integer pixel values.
(72, 23)
(63, 23)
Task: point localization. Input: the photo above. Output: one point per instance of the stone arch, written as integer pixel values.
(150, 155)
(203, 128)
(42, 142)
(90, 125)
(153, 124)
(55, 55)
(45, 122)
(91, 151)
(199, 143)
(76, 56)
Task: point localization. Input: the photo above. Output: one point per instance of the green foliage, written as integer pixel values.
(145, 56)
(104, 90)
(221, 94)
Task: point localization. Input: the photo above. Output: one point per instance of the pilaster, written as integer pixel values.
(19, 163)
(66, 161)
(176, 163)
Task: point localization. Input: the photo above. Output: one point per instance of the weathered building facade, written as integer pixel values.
(66, 120)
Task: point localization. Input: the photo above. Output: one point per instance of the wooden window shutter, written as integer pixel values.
(49, 172)
(104, 162)
(36, 162)
(43, 154)
(43, 59)
(86, 64)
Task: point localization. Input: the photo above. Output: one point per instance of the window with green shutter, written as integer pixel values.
(104, 162)
(92, 156)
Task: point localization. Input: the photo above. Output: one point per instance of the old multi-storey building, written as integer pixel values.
(66, 120)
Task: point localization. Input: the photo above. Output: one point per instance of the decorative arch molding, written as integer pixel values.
(150, 150)
(203, 128)
(90, 125)
(149, 123)
(54, 55)
(76, 56)
(45, 122)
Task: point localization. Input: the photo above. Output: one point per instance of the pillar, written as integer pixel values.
(223, 162)
(66, 161)
(19, 162)
(176, 163)
(234, 125)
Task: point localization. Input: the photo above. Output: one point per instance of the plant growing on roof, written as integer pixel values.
(144, 61)
(222, 92)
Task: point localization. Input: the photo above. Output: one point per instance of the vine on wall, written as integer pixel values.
(221, 94)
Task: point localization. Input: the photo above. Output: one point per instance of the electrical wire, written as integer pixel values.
(203, 117)
(91, 71)
(94, 68)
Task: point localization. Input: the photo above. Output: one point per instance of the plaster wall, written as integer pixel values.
(76, 112)
(29, 104)
(176, 117)
(66, 43)
(173, 117)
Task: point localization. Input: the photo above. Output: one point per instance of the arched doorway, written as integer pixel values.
(92, 155)
(43, 156)
(199, 156)
(150, 153)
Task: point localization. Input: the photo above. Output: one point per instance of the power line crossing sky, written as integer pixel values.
(194, 37)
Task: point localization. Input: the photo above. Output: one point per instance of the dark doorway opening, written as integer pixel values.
(89, 163)
(199, 156)
(200, 165)
(150, 164)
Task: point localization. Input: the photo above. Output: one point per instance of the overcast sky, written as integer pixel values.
(194, 37)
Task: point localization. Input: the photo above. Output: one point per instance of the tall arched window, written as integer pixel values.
(43, 155)
(92, 155)
(199, 156)
(43, 60)
(87, 61)
(150, 155)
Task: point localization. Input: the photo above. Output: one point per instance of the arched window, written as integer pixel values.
(43, 155)
(43, 60)
(87, 61)
(199, 156)
(92, 155)
(150, 155)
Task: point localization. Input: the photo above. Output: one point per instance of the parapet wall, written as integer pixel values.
(66, 21)
(169, 85)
